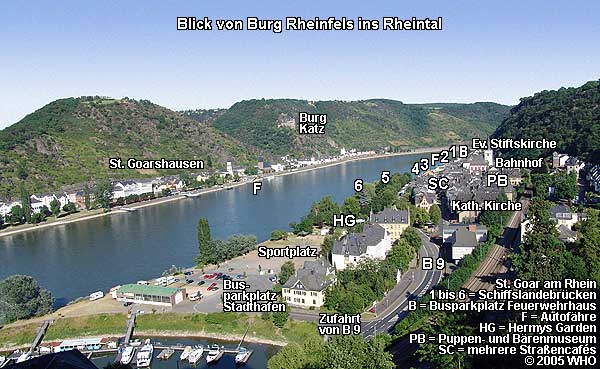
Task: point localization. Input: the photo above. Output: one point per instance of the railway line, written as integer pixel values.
(495, 264)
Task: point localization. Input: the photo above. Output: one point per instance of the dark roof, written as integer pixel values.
(454, 227)
(560, 211)
(72, 359)
(464, 238)
(389, 215)
(356, 243)
(565, 233)
(312, 276)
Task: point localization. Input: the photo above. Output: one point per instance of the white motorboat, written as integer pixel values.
(144, 356)
(214, 354)
(23, 357)
(196, 354)
(243, 355)
(127, 355)
(186, 353)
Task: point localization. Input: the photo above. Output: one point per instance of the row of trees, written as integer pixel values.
(216, 251)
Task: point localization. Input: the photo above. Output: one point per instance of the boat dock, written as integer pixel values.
(130, 327)
(41, 332)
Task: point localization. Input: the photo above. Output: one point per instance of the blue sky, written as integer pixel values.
(486, 52)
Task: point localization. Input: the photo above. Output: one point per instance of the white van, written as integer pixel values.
(195, 296)
(170, 280)
(160, 281)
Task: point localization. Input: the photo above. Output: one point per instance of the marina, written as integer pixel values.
(129, 351)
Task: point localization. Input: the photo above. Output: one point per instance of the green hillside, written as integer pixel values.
(70, 141)
(571, 116)
(364, 125)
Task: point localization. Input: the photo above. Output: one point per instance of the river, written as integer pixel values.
(75, 259)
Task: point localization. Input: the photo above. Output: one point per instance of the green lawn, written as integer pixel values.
(169, 323)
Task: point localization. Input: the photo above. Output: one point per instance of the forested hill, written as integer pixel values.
(70, 141)
(571, 116)
(271, 125)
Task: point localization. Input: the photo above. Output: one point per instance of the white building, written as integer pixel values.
(6, 206)
(306, 288)
(562, 215)
(131, 187)
(278, 167)
(488, 156)
(352, 248)
(463, 239)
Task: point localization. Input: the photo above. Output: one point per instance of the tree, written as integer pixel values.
(400, 255)
(351, 206)
(352, 352)
(45, 211)
(1, 221)
(69, 208)
(402, 204)
(322, 212)
(21, 297)
(279, 235)
(205, 250)
(280, 317)
(287, 270)
(25, 203)
(251, 171)
(589, 244)
(435, 214)
(304, 227)
(86, 197)
(420, 216)
(103, 194)
(55, 207)
(450, 324)
(186, 178)
(412, 237)
(327, 245)
(16, 215)
(539, 257)
(37, 218)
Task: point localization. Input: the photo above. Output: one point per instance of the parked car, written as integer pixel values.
(188, 281)
(201, 283)
(188, 273)
(210, 276)
(127, 303)
(213, 285)
(240, 276)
